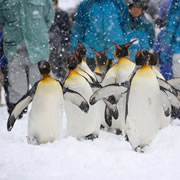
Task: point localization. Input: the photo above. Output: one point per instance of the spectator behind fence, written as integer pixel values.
(25, 41)
(98, 23)
(138, 27)
(59, 35)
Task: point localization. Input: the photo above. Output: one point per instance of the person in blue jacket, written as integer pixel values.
(163, 13)
(138, 27)
(160, 45)
(98, 23)
(169, 43)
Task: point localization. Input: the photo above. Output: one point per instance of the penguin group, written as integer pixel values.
(130, 98)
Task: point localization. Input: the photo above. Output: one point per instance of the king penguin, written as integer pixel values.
(118, 73)
(143, 105)
(80, 54)
(102, 63)
(80, 125)
(46, 114)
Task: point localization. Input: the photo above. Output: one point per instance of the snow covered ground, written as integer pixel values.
(108, 157)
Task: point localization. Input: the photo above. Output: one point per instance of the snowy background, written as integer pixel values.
(108, 157)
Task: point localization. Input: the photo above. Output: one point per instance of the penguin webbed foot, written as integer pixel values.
(118, 132)
(102, 127)
(32, 140)
(91, 137)
(139, 149)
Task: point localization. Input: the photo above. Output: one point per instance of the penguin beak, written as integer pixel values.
(117, 46)
(129, 44)
(96, 53)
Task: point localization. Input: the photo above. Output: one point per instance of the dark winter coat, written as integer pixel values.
(59, 35)
(98, 23)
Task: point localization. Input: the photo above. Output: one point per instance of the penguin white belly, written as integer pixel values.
(144, 110)
(121, 74)
(45, 118)
(80, 124)
(124, 74)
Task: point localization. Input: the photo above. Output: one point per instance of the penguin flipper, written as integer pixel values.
(76, 98)
(167, 86)
(107, 91)
(108, 117)
(173, 99)
(112, 109)
(165, 103)
(20, 106)
(174, 82)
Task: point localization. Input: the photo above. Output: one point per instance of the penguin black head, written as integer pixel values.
(72, 62)
(145, 57)
(80, 52)
(141, 58)
(122, 50)
(101, 57)
(44, 67)
(154, 59)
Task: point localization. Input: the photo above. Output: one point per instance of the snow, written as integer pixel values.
(108, 157)
(68, 4)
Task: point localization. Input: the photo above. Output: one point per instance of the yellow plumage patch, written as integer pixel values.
(47, 79)
(98, 70)
(72, 74)
(125, 62)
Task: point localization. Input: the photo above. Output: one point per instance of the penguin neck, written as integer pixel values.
(73, 72)
(83, 59)
(123, 59)
(98, 70)
(78, 69)
(145, 66)
(47, 77)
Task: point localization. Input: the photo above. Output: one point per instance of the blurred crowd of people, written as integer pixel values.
(31, 31)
